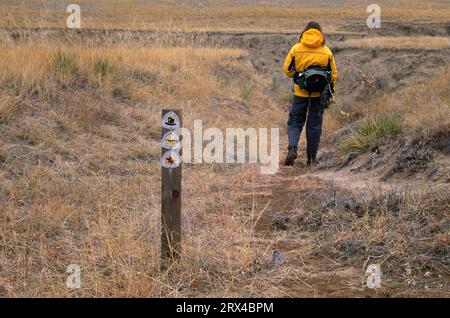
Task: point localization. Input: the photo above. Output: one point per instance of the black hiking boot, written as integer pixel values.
(291, 156)
(311, 160)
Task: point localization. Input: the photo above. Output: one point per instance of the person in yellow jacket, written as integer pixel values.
(307, 107)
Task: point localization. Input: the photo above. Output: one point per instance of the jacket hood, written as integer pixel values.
(312, 38)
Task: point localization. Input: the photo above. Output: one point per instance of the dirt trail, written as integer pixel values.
(312, 276)
(285, 201)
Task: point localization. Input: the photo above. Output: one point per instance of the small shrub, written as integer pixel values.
(224, 81)
(246, 88)
(104, 68)
(370, 131)
(65, 63)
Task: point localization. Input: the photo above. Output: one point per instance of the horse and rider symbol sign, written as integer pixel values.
(170, 160)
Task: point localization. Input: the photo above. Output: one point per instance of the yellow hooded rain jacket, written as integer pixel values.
(310, 51)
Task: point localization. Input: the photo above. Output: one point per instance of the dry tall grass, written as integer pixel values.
(415, 110)
(423, 106)
(230, 16)
(79, 158)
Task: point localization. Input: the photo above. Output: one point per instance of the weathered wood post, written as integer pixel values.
(170, 187)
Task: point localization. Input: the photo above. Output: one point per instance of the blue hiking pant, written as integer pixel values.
(300, 113)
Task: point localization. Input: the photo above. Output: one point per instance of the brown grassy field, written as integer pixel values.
(79, 153)
(78, 148)
(217, 16)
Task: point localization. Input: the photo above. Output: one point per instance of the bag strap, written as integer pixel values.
(291, 67)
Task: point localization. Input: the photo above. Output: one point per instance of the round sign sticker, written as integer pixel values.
(170, 140)
(170, 160)
(171, 121)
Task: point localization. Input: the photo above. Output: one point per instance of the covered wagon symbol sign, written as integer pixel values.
(171, 121)
(170, 160)
(170, 141)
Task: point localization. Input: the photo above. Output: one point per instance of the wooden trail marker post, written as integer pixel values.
(170, 188)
